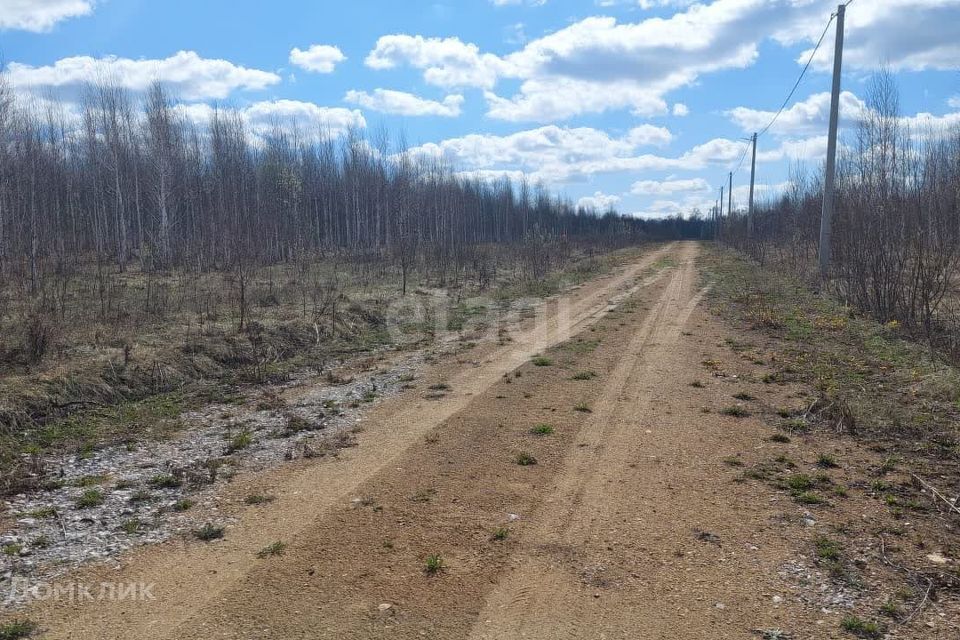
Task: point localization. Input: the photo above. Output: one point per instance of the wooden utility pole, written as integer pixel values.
(753, 177)
(826, 217)
(730, 196)
(716, 231)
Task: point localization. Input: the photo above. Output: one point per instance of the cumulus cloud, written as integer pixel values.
(664, 187)
(761, 191)
(319, 58)
(599, 64)
(647, 134)
(445, 62)
(405, 104)
(564, 155)
(681, 110)
(805, 117)
(40, 15)
(555, 154)
(186, 73)
(599, 201)
(812, 115)
(311, 121)
(912, 35)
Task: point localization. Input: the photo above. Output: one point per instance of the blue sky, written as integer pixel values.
(641, 104)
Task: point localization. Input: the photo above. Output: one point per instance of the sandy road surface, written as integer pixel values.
(188, 578)
(630, 525)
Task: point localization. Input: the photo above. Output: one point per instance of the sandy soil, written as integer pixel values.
(630, 525)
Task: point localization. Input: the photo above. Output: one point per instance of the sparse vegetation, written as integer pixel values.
(131, 526)
(256, 498)
(434, 564)
(542, 361)
(736, 411)
(17, 629)
(582, 407)
(89, 499)
(860, 627)
(525, 459)
(542, 430)
(275, 549)
(165, 482)
(809, 498)
(584, 375)
(240, 441)
(209, 532)
(500, 534)
(827, 549)
(827, 461)
(140, 496)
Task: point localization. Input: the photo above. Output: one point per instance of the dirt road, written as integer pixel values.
(628, 526)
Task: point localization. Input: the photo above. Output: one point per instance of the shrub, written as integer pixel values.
(524, 459)
(208, 532)
(17, 629)
(38, 337)
(90, 498)
(434, 564)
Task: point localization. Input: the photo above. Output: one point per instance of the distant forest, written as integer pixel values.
(132, 181)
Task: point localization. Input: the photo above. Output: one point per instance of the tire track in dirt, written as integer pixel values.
(535, 600)
(190, 577)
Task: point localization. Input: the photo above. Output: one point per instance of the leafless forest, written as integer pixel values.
(135, 184)
(896, 247)
(141, 252)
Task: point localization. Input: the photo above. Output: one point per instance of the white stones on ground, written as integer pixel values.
(73, 537)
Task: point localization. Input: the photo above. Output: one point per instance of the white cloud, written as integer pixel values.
(813, 149)
(40, 15)
(599, 201)
(761, 192)
(809, 116)
(954, 102)
(665, 187)
(923, 123)
(185, 73)
(681, 110)
(319, 58)
(309, 120)
(405, 104)
(665, 208)
(647, 134)
(445, 62)
(911, 35)
(599, 64)
(557, 154)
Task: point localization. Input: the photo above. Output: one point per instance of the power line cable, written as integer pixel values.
(742, 155)
(802, 73)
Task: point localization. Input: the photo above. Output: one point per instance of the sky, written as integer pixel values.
(642, 105)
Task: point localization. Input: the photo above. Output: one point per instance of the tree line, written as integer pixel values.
(129, 180)
(896, 248)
